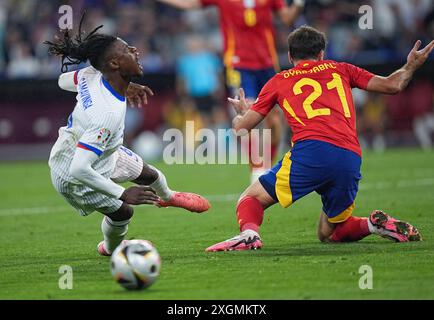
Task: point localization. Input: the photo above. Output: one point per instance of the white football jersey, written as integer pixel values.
(96, 124)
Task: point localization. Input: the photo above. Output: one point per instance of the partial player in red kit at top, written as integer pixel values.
(248, 31)
(316, 99)
(249, 52)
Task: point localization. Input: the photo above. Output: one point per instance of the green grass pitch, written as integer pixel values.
(39, 232)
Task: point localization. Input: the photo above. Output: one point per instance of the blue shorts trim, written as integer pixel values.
(252, 81)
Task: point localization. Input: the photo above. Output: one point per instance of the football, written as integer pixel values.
(135, 264)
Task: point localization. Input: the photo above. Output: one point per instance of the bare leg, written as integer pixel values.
(147, 177)
(257, 191)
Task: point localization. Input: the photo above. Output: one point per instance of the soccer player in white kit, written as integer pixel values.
(88, 160)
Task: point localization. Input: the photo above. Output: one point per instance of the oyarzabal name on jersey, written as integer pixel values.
(316, 69)
(222, 146)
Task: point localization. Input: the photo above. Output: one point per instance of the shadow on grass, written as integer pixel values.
(131, 294)
(342, 249)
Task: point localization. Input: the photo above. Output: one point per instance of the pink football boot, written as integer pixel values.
(102, 250)
(246, 240)
(393, 229)
(189, 201)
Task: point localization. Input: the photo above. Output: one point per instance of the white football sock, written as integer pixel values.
(249, 232)
(372, 229)
(160, 185)
(114, 232)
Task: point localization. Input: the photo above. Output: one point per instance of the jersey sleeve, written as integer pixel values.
(85, 72)
(267, 98)
(98, 135)
(359, 78)
(206, 3)
(68, 81)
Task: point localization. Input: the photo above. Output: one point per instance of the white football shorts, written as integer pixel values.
(127, 167)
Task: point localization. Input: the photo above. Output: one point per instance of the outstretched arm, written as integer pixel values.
(399, 80)
(244, 123)
(183, 4)
(289, 14)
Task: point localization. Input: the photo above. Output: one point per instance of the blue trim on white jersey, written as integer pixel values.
(113, 92)
(69, 123)
(89, 147)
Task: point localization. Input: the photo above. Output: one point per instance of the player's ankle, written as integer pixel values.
(167, 195)
(372, 229)
(161, 187)
(250, 227)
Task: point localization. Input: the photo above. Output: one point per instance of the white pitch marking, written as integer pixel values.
(400, 184)
(381, 185)
(28, 211)
(223, 197)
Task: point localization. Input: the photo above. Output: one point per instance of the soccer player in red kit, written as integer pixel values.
(250, 55)
(316, 99)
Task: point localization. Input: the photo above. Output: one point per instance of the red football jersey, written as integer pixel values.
(248, 32)
(317, 101)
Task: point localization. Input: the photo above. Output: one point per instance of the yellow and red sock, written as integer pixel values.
(250, 214)
(353, 229)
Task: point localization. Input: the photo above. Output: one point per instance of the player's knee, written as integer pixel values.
(325, 236)
(257, 199)
(325, 229)
(322, 238)
(257, 191)
(129, 212)
(242, 198)
(125, 212)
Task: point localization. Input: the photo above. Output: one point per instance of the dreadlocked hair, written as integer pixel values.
(77, 50)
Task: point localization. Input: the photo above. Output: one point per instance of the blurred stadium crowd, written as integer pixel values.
(168, 39)
(160, 31)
